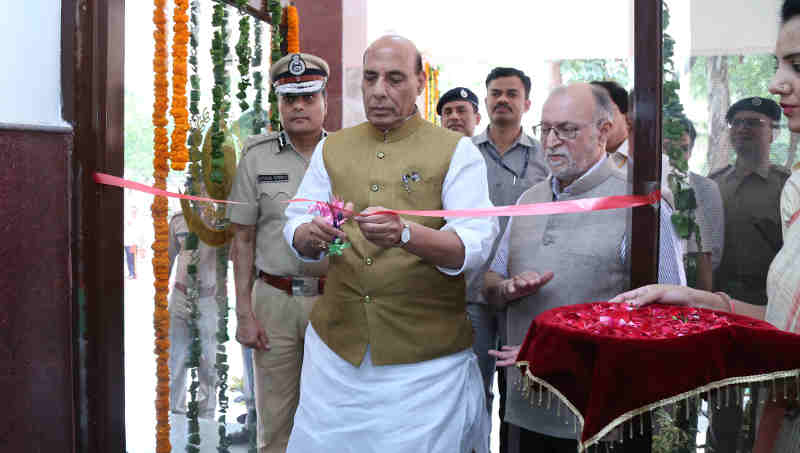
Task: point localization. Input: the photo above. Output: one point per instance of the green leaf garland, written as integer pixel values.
(275, 19)
(258, 78)
(191, 243)
(221, 90)
(243, 52)
(222, 338)
(683, 217)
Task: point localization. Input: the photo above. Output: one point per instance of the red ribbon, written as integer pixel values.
(547, 208)
(793, 219)
(102, 178)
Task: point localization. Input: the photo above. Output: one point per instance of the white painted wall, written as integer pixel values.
(30, 81)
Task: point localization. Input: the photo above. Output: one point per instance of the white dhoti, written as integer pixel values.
(435, 406)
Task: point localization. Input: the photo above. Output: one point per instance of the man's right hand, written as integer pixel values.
(312, 238)
(250, 333)
(523, 284)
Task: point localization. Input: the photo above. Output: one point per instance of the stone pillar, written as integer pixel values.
(336, 30)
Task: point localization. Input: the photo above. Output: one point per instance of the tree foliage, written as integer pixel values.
(748, 75)
(596, 69)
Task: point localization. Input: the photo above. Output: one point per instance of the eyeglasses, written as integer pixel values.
(564, 131)
(750, 123)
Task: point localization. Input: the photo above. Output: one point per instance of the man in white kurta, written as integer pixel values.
(388, 360)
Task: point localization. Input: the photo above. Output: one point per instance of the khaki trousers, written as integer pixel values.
(277, 371)
(180, 341)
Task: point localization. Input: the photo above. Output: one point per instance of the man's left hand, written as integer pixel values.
(383, 230)
(506, 356)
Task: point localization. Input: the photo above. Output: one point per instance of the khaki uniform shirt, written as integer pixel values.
(269, 175)
(752, 229)
(207, 262)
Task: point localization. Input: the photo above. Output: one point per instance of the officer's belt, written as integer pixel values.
(295, 286)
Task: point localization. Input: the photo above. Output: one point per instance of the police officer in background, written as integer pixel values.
(459, 110)
(750, 189)
(274, 289)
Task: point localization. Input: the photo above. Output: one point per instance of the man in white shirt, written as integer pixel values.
(390, 337)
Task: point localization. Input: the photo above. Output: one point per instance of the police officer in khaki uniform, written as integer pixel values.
(750, 191)
(274, 289)
(180, 312)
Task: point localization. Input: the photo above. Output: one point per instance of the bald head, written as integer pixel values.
(396, 41)
(393, 78)
(576, 119)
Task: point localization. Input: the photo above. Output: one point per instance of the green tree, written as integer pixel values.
(138, 130)
(748, 75)
(596, 69)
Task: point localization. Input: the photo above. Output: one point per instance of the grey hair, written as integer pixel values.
(603, 111)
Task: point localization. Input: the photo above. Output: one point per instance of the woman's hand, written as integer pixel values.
(663, 294)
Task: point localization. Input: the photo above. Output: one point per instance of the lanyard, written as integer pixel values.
(496, 157)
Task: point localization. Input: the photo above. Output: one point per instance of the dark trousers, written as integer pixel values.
(533, 442)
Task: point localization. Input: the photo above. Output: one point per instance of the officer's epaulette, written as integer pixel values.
(719, 172)
(255, 140)
(781, 169)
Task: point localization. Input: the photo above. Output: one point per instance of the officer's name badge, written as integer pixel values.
(274, 177)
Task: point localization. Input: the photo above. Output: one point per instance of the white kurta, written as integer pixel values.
(435, 406)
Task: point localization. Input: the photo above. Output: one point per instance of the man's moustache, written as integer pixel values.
(506, 106)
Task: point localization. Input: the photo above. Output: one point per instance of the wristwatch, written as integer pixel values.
(405, 235)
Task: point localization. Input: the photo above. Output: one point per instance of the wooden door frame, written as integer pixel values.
(93, 49)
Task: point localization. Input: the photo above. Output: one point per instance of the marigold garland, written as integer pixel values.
(179, 155)
(293, 30)
(159, 211)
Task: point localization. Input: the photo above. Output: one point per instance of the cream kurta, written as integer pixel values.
(783, 280)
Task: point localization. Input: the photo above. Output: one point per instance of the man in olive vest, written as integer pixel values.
(389, 360)
(543, 262)
(274, 289)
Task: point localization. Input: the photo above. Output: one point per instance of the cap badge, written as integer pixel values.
(297, 66)
(463, 93)
(756, 102)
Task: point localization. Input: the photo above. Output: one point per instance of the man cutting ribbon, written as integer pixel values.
(390, 337)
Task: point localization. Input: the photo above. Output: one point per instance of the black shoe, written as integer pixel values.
(239, 437)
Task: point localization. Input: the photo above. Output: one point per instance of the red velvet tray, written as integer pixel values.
(608, 362)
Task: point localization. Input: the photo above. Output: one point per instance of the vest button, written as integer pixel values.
(368, 261)
(367, 299)
(381, 154)
(374, 188)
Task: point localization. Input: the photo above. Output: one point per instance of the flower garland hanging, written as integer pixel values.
(222, 334)
(220, 92)
(221, 107)
(243, 52)
(683, 217)
(179, 155)
(292, 30)
(193, 439)
(159, 212)
(258, 80)
(275, 55)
